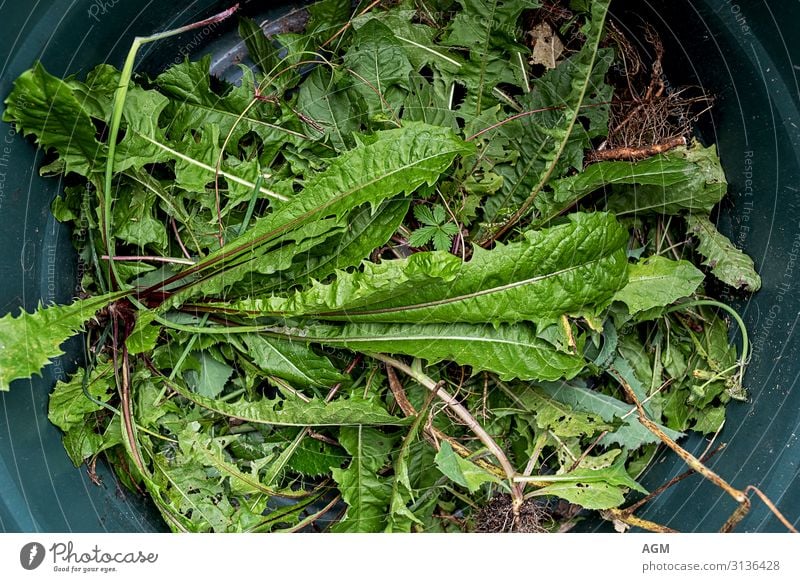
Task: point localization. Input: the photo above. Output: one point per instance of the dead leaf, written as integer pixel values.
(547, 47)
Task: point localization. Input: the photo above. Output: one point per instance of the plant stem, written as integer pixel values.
(465, 416)
(745, 356)
(152, 259)
(116, 119)
(561, 146)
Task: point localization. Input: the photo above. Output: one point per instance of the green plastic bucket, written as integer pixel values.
(740, 52)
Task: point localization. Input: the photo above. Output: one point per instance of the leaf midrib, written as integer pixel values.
(467, 296)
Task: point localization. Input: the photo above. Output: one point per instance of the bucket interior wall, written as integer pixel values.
(743, 54)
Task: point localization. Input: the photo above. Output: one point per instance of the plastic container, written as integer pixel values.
(743, 53)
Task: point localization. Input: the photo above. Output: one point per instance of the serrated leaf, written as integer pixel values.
(69, 405)
(631, 435)
(509, 351)
(428, 102)
(563, 269)
(425, 215)
(592, 488)
(259, 47)
(696, 187)
(367, 229)
(297, 412)
(488, 30)
(669, 183)
(315, 458)
(196, 146)
(658, 282)
(46, 107)
(134, 220)
(727, 263)
(83, 442)
(293, 361)
(192, 105)
(550, 143)
(381, 68)
(421, 236)
(365, 492)
(334, 108)
(401, 518)
(557, 417)
(30, 340)
(393, 162)
(462, 471)
(417, 39)
(240, 276)
(442, 239)
(622, 369)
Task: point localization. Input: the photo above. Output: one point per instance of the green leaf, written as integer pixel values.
(461, 471)
(557, 417)
(145, 334)
(197, 127)
(588, 495)
(677, 180)
(293, 361)
(381, 68)
(438, 231)
(551, 142)
(393, 162)
(335, 109)
(623, 370)
(134, 220)
(260, 48)
(417, 39)
(427, 216)
(401, 517)
(242, 275)
(367, 229)
(365, 492)
(30, 340)
(83, 442)
(709, 420)
(205, 374)
(46, 107)
(693, 181)
(658, 282)
(429, 103)
(631, 434)
(510, 351)
(443, 237)
(314, 458)
(326, 17)
(69, 405)
(727, 263)
(193, 105)
(592, 488)
(489, 30)
(422, 236)
(567, 268)
(295, 412)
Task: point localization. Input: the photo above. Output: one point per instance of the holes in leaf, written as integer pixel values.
(459, 94)
(269, 390)
(251, 146)
(427, 73)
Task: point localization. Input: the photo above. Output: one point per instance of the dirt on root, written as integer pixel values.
(497, 516)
